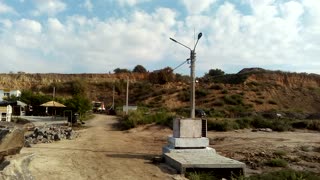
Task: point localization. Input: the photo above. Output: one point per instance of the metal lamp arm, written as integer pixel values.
(181, 43)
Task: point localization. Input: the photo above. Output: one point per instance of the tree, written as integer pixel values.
(161, 76)
(139, 69)
(78, 87)
(118, 71)
(78, 103)
(215, 72)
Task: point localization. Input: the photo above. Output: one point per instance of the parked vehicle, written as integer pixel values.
(97, 106)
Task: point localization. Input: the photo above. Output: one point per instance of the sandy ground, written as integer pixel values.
(301, 149)
(100, 152)
(103, 152)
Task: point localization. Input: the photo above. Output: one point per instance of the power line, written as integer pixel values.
(180, 64)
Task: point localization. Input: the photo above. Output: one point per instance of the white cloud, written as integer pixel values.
(29, 26)
(49, 7)
(6, 23)
(130, 2)
(82, 44)
(6, 9)
(197, 6)
(88, 5)
(276, 34)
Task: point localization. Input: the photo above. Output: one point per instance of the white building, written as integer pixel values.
(8, 93)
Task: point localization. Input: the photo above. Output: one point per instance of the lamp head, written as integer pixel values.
(199, 35)
(173, 40)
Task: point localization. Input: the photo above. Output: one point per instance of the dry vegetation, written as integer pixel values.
(228, 95)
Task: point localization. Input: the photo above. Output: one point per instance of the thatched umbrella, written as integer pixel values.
(52, 104)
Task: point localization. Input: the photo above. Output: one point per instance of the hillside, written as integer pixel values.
(250, 90)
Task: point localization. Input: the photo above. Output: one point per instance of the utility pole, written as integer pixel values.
(192, 74)
(193, 84)
(127, 96)
(112, 98)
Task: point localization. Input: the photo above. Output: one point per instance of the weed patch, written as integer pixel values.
(135, 118)
(277, 162)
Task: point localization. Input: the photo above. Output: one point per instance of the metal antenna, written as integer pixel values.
(194, 36)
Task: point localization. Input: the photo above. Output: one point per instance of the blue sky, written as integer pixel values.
(98, 36)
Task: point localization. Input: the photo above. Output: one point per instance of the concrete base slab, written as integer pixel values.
(188, 142)
(168, 149)
(184, 160)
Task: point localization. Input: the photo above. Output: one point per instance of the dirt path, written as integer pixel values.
(101, 152)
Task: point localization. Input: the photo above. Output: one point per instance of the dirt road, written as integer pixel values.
(102, 152)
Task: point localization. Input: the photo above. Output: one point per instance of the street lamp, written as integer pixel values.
(192, 74)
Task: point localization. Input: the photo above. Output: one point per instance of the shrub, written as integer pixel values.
(258, 101)
(281, 125)
(216, 87)
(216, 113)
(200, 176)
(201, 93)
(259, 122)
(272, 102)
(279, 153)
(234, 99)
(275, 124)
(236, 110)
(244, 123)
(218, 103)
(314, 125)
(139, 117)
(184, 96)
(277, 162)
(252, 83)
(224, 125)
(133, 119)
(299, 124)
(224, 91)
(163, 118)
(285, 174)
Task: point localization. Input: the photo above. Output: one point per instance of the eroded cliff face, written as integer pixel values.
(288, 80)
(262, 90)
(289, 91)
(36, 81)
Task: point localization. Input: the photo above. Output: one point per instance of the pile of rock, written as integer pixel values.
(48, 134)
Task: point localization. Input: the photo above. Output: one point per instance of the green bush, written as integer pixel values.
(272, 102)
(299, 124)
(285, 174)
(215, 113)
(258, 101)
(279, 153)
(307, 124)
(236, 110)
(139, 117)
(224, 91)
(244, 123)
(218, 103)
(200, 176)
(274, 124)
(224, 125)
(277, 162)
(234, 99)
(184, 96)
(201, 93)
(259, 122)
(314, 125)
(216, 87)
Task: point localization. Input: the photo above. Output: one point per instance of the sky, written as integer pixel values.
(98, 36)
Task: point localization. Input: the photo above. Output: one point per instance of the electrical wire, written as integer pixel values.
(180, 65)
